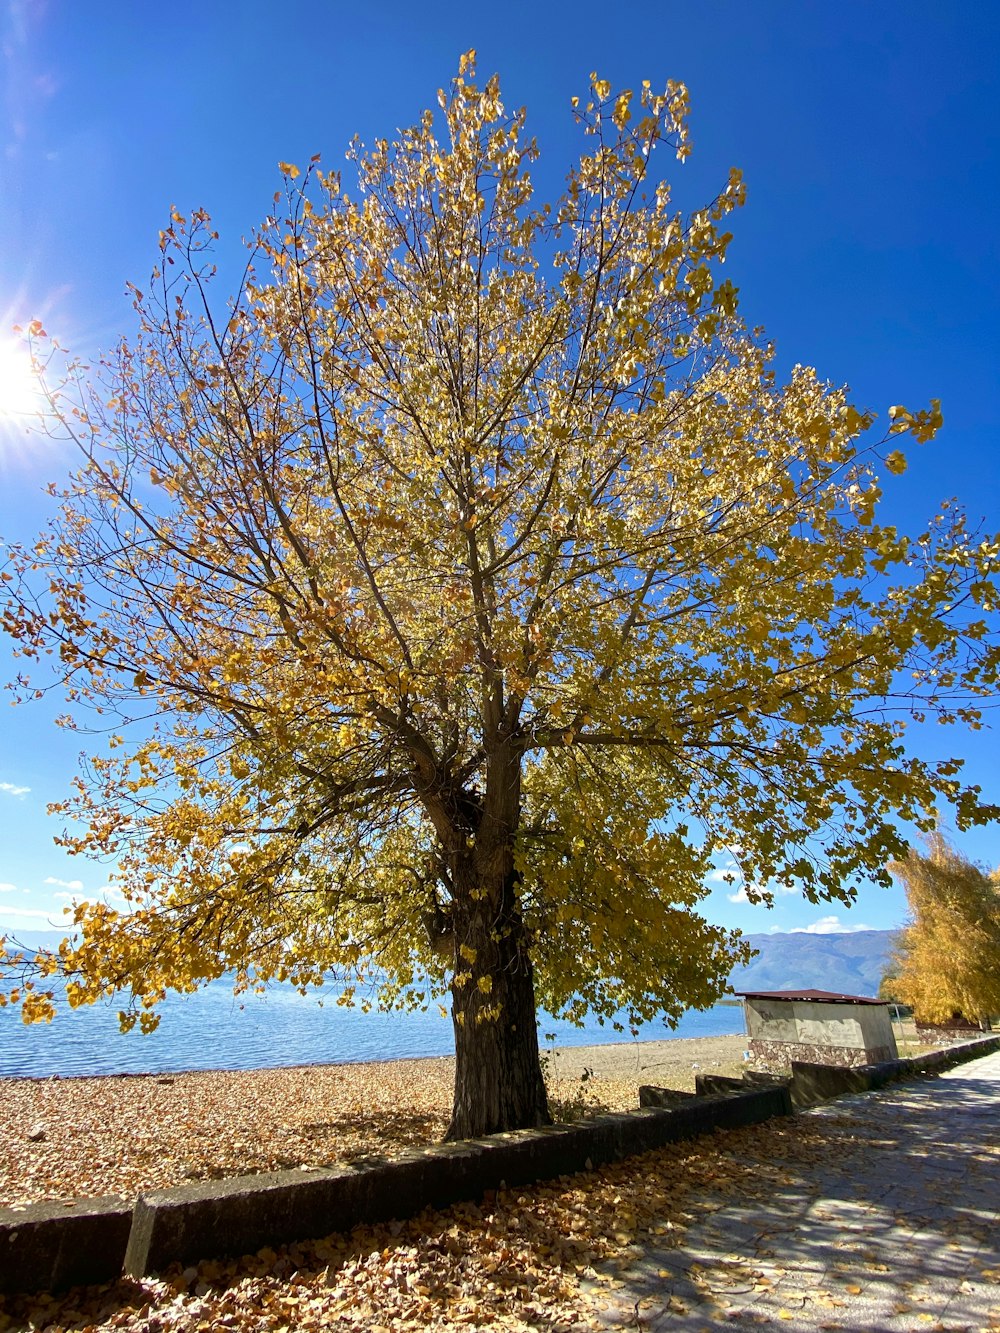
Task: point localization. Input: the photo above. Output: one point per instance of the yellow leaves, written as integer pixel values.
(726, 298)
(78, 994)
(855, 422)
(927, 423)
(622, 115)
(757, 628)
(37, 1007)
(736, 190)
(289, 169)
(923, 425)
(946, 956)
(900, 417)
(896, 462)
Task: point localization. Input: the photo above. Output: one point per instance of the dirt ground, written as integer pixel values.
(119, 1135)
(672, 1063)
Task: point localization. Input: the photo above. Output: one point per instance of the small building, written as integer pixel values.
(818, 1026)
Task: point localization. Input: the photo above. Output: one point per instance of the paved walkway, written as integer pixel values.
(883, 1214)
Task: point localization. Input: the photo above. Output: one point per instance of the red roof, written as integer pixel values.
(825, 996)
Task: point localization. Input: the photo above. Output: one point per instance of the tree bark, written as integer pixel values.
(498, 1076)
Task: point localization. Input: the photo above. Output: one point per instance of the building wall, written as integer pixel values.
(842, 1034)
(876, 1028)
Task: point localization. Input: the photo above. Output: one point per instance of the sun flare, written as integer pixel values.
(21, 396)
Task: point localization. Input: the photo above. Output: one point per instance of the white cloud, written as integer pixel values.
(33, 914)
(828, 925)
(75, 884)
(8, 888)
(103, 895)
(742, 895)
(12, 790)
(722, 875)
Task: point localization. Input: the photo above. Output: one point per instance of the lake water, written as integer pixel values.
(213, 1030)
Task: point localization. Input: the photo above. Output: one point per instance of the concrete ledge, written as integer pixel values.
(217, 1219)
(760, 1078)
(50, 1246)
(715, 1085)
(664, 1098)
(812, 1083)
(809, 1083)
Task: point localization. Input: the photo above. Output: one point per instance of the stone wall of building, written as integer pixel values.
(777, 1055)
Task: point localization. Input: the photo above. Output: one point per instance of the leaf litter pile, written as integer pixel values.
(552, 1257)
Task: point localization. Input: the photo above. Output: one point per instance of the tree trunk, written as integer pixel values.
(498, 1076)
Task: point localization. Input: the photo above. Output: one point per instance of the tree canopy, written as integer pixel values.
(948, 957)
(466, 582)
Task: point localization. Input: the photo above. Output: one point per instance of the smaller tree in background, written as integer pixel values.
(887, 987)
(948, 958)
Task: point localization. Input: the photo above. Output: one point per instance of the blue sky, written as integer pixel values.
(869, 136)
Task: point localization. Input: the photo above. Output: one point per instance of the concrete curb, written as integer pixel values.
(812, 1083)
(233, 1217)
(50, 1246)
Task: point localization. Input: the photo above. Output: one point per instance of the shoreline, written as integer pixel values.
(546, 1051)
(87, 1136)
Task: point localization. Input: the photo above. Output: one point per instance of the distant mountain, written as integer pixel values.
(853, 963)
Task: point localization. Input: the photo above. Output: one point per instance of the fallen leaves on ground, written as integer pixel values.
(522, 1259)
(569, 1255)
(120, 1135)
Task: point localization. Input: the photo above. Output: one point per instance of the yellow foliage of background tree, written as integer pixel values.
(948, 957)
(461, 588)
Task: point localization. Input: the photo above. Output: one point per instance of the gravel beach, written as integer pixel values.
(85, 1137)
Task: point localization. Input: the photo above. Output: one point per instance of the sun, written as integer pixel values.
(21, 397)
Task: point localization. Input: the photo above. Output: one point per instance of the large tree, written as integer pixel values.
(947, 959)
(470, 580)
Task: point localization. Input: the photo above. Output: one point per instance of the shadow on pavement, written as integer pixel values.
(876, 1211)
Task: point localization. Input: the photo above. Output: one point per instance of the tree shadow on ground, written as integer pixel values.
(881, 1198)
